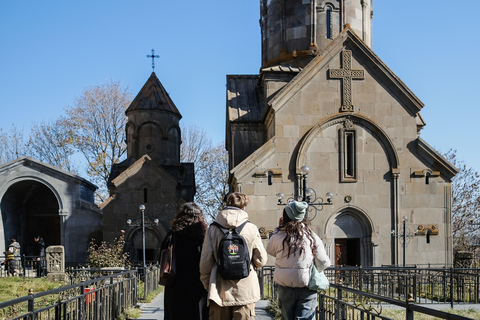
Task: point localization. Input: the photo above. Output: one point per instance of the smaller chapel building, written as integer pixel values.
(152, 175)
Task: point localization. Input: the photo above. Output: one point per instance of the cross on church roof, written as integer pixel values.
(347, 75)
(153, 56)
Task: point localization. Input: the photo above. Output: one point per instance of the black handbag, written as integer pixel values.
(168, 267)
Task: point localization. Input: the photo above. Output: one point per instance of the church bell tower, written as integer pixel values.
(294, 31)
(153, 125)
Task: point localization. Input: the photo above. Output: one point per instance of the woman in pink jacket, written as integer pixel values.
(294, 246)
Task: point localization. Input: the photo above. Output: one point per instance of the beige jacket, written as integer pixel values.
(231, 292)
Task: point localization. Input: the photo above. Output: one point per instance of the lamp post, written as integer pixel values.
(142, 224)
(304, 193)
(142, 209)
(404, 236)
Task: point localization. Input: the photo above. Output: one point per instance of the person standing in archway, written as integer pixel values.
(40, 252)
(13, 257)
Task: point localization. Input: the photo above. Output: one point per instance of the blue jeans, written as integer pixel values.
(297, 303)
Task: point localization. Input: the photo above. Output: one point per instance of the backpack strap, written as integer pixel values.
(219, 226)
(237, 230)
(240, 227)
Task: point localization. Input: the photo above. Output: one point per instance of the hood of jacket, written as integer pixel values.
(231, 217)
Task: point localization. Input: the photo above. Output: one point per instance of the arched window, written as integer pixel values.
(348, 155)
(329, 23)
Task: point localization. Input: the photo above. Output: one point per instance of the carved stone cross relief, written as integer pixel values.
(346, 74)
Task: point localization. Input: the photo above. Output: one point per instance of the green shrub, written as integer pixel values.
(107, 254)
(131, 313)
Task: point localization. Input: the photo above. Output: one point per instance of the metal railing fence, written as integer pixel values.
(359, 293)
(340, 302)
(149, 276)
(268, 288)
(427, 285)
(96, 299)
(30, 266)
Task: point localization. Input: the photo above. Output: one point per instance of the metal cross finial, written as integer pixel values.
(153, 56)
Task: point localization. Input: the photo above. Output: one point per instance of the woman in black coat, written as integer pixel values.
(185, 297)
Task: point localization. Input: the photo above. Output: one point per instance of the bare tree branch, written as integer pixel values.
(96, 124)
(12, 145)
(50, 143)
(211, 169)
(465, 204)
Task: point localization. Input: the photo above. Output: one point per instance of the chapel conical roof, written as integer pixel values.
(153, 96)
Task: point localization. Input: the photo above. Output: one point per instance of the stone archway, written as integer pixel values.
(351, 232)
(30, 208)
(154, 235)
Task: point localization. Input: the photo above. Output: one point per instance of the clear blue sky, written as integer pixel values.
(51, 50)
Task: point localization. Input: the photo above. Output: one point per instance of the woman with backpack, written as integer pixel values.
(232, 297)
(185, 297)
(295, 247)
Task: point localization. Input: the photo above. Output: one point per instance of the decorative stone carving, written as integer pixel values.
(264, 233)
(422, 230)
(55, 256)
(346, 74)
(348, 124)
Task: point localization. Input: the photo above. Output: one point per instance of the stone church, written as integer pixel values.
(39, 199)
(379, 194)
(151, 175)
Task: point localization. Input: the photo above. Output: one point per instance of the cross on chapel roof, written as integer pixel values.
(153, 56)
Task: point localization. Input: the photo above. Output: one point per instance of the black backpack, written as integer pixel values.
(233, 257)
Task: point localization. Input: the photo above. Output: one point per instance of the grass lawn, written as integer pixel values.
(15, 287)
(471, 313)
(400, 314)
(12, 288)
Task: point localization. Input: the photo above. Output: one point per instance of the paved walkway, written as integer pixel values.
(154, 310)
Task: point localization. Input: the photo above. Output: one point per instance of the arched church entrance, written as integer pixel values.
(154, 235)
(30, 208)
(352, 233)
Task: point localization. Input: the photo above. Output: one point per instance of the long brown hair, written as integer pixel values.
(189, 220)
(294, 238)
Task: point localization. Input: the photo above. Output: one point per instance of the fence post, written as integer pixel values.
(451, 287)
(31, 303)
(22, 266)
(360, 276)
(476, 287)
(321, 307)
(83, 304)
(340, 314)
(260, 280)
(415, 286)
(409, 315)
